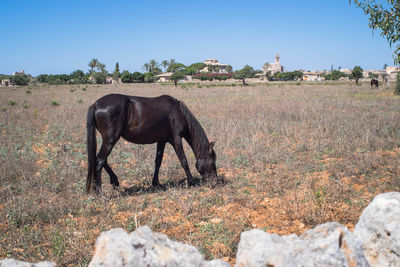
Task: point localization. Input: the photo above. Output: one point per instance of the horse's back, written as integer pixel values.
(146, 119)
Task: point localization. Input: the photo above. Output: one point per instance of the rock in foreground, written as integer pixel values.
(144, 248)
(329, 244)
(375, 242)
(379, 230)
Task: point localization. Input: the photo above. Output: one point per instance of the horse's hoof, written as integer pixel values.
(190, 184)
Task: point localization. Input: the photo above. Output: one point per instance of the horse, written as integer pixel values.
(374, 83)
(144, 120)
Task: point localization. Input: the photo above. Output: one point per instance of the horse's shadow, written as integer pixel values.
(180, 184)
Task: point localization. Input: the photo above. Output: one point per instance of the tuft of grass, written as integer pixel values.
(55, 103)
(80, 101)
(83, 88)
(12, 103)
(28, 91)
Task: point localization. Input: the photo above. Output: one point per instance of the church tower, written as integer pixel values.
(277, 57)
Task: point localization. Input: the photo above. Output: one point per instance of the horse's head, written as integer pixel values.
(205, 164)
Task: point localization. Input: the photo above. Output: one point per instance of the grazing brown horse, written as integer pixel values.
(374, 83)
(143, 120)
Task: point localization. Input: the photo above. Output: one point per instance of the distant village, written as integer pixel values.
(212, 69)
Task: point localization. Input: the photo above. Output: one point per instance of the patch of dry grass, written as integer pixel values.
(293, 156)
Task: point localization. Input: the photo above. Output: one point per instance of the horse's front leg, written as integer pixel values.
(158, 161)
(182, 158)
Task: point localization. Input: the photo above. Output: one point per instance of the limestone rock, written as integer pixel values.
(15, 263)
(329, 244)
(144, 248)
(379, 230)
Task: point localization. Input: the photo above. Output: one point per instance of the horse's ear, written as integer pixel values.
(210, 148)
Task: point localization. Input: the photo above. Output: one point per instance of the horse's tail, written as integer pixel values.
(91, 147)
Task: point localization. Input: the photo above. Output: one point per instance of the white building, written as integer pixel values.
(392, 72)
(214, 66)
(314, 75)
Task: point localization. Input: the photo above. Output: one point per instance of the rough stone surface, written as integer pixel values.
(375, 242)
(329, 244)
(15, 263)
(145, 248)
(379, 230)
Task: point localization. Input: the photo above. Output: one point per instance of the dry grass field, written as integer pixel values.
(294, 155)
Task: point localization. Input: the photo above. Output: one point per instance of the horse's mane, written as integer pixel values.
(199, 138)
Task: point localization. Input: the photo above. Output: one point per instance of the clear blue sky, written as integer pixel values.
(60, 36)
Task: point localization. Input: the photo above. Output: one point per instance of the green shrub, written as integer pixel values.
(42, 78)
(138, 77)
(12, 103)
(54, 103)
(99, 77)
(20, 79)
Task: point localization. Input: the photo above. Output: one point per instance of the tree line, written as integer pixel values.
(97, 74)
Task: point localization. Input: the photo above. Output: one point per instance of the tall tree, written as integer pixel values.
(246, 72)
(177, 76)
(97, 71)
(194, 68)
(165, 64)
(101, 67)
(153, 65)
(93, 64)
(356, 73)
(176, 67)
(116, 73)
(384, 15)
(172, 61)
(146, 67)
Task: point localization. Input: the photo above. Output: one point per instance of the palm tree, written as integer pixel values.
(101, 67)
(171, 62)
(146, 67)
(93, 64)
(153, 65)
(165, 64)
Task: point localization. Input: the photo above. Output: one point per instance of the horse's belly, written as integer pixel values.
(149, 136)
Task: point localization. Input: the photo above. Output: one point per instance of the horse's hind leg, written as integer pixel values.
(158, 161)
(101, 161)
(113, 177)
